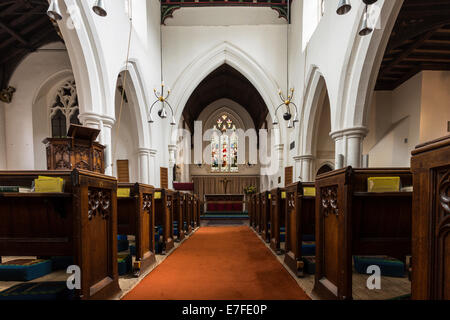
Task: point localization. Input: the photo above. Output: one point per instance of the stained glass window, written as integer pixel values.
(223, 147)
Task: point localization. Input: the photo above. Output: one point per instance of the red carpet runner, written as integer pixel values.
(219, 263)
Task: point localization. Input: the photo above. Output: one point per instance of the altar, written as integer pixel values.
(224, 204)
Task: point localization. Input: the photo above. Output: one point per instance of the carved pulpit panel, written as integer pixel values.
(78, 151)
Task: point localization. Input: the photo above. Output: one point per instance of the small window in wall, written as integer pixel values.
(65, 110)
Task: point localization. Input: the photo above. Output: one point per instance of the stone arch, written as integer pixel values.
(359, 77)
(204, 64)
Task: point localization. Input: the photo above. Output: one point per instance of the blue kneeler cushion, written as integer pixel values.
(124, 263)
(389, 267)
(24, 269)
(122, 243)
(38, 291)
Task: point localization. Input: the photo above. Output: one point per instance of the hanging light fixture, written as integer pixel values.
(365, 28)
(287, 101)
(99, 8)
(54, 11)
(344, 7)
(161, 96)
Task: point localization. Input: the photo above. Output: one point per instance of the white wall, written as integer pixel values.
(35, 71)
(435, 109)
(415, 112)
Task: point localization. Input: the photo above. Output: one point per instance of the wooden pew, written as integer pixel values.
(430, 165)
(277, 218)
(351, 221)
(265, 216)
(79, 222)
(196, 214)
(300, 221)
(258, 213)
(136, 216)
(178, 214)
(252, 210)
(189, 212)
(164, 216)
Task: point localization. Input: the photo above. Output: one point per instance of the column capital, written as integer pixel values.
(172, 147)
(108, 121)
(304, 157)
(144, 151)
(153, 152)
(360, 132)
(279, 147)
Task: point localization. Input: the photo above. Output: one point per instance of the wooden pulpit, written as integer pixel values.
(78, 150)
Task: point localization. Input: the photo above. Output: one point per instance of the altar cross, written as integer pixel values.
(225, 184)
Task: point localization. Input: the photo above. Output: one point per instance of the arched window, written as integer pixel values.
(64, 110)
(224, 147)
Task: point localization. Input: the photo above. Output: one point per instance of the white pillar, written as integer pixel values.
(172, 160)
(106, 140)
(143, 165)
(152, 176)
(279, 148)
(307, 168)
(349, 144)
(297, 169)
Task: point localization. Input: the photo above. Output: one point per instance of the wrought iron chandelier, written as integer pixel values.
(287, 100)
(345, 6)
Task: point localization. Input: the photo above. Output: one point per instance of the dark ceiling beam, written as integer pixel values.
(405, 53)
(13, 33)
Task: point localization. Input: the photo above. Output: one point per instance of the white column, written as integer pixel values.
(106, 140)
(172, 160)
(307, 168)
(349, 144)
(279, 148)
(298, 169)
(143, 165)
(152, 176)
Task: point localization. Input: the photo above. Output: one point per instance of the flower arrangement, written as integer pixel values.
(250, 190)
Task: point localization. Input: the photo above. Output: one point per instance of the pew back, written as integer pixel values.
(80, 222)
(300, 221)
(430, 165)
(351, 220)
(277, 217)
(135, 215)
(164, 216)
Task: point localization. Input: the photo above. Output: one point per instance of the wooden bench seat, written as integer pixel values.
(300, 221)
(136, 216)
(80, 222)
(179, 214)
(277, 217)
(264, 229)
(164, 204)
(351, 221)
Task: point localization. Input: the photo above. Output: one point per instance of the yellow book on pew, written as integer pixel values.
(48, 184)
(283, 195)
(309, 191)
(123, 192)
(157, 195)
(383, 184)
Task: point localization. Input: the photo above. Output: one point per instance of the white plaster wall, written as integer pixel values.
(36, 70)
(395, 125)
(435, 109)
